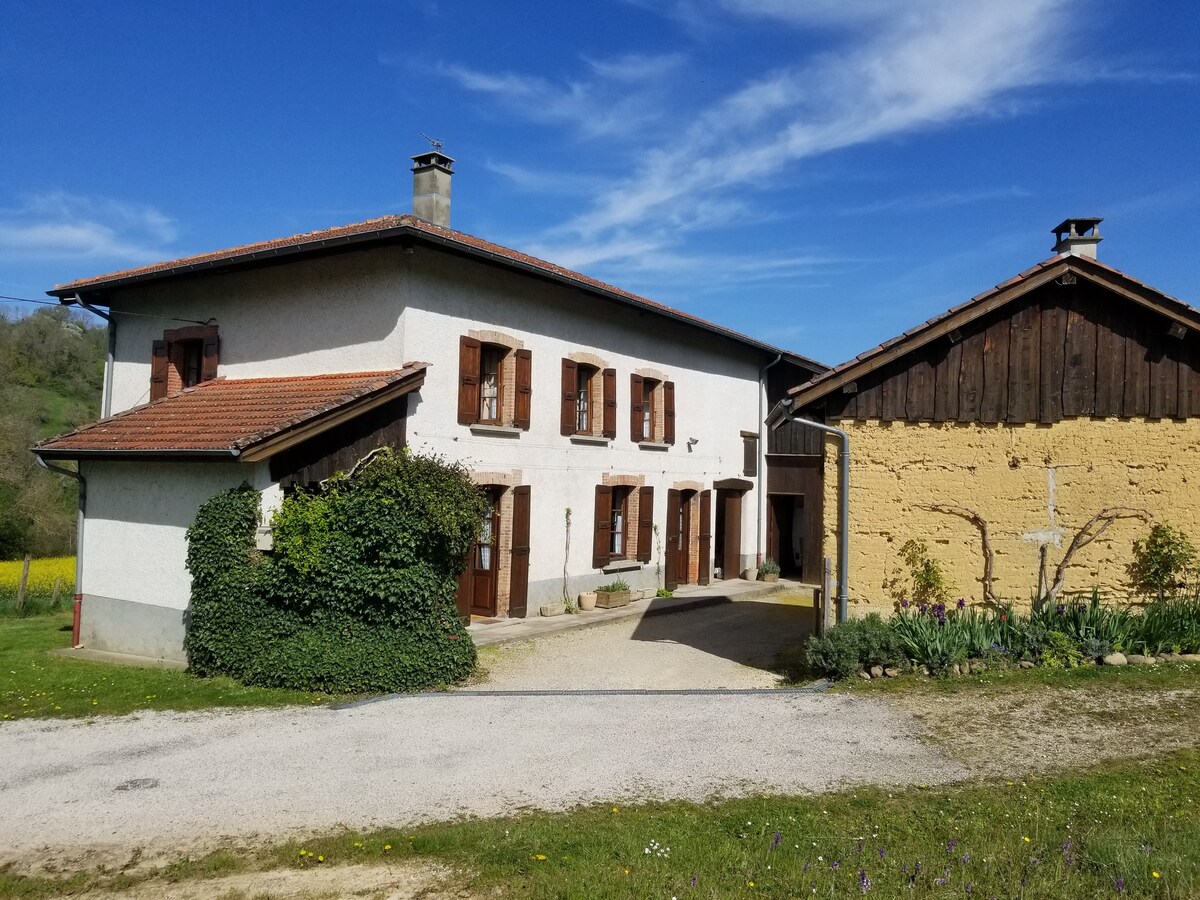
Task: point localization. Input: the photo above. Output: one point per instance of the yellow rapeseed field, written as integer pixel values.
(42, 573)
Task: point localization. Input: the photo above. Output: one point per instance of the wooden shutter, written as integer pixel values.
(600, 537)
(469, 352)
(672, 561)
(610, 403)
(635, 409)
(749, 456)
(570, 380)
(209, 359)
(705, 536)
(524, 383)
(160, 363)
(518, 586)
(669, 412)
(645, 532)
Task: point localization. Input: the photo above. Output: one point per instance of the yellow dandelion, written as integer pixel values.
(320, 859)
(1025, 839)
(1156, 875)
(751, 883)
(539, 856)
(387, 847)
(626, 871)
(615, 809)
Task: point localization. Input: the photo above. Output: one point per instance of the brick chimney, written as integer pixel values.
(431, 187)
(1077, 236)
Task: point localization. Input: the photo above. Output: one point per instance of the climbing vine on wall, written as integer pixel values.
(358, 593)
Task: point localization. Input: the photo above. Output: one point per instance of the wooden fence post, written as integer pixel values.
(54, 593)
(24, 581)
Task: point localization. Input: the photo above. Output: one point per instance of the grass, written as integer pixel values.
(1120, 830)
(39, 595)
(34, 684)
(1133, 678)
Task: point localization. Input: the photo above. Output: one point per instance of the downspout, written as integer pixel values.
(760, 488)
(843, 563)
(78, 543)
(106, 402)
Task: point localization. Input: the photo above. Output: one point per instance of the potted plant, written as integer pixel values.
(587, 601)
(768, 570)
(614, 594)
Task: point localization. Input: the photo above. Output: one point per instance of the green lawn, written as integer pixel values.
(34, 684)
(1130, 829)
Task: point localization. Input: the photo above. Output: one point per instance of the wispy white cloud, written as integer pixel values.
(58, 225)
(935, 200)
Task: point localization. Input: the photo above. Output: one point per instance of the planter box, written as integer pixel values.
(773, 576)
(612, 599)
(553, 609)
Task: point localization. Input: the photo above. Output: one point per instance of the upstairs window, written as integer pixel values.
(589, 400)
(495, 384)
(652, 410)
(184, 358)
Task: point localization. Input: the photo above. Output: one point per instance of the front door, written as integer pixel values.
(477, 586)
(683, 531)
(729, 532)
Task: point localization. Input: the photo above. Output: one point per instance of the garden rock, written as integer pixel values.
(1116, 659)
(924, 670)
(956, 669)
(866, 676)
(1025, 664)
(1136, 659)
(977, 667)
(891, 671)
(1189, 657)
(876, 671)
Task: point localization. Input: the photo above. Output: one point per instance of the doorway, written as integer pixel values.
(728, 535)
(787, 530)
(477, 585)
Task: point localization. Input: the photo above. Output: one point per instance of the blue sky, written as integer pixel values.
(820, 174)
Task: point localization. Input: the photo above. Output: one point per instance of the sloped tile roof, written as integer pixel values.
(225, 416)
(386, 227)
(868, 360)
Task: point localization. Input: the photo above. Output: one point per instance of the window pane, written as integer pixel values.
(192, 351)
(583, 397)
(617, 531)
(489, 384)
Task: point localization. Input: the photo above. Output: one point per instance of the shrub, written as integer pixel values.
(853, 645)
(359, 593)
(931, 637)
(928, 579)
(1061, 651)
(1161, 561)
(614, 587)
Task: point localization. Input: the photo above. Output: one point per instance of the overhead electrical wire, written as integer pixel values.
(115, 312)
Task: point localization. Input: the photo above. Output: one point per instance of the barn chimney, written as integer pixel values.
(431, 187)
(1077, 236)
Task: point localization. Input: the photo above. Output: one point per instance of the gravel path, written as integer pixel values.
(172, 780)
(725, 646)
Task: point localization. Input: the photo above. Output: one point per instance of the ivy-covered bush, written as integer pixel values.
(358, 593)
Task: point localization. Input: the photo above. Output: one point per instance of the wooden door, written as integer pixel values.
(484, 561)
(705, 538)
(730, 503)
(672, 561)
(684, 538)
(518, 586)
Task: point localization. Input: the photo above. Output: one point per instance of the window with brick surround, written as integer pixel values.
(589, 400)
(652, 410)
(623, 524)
(495, 384)
(184, 358)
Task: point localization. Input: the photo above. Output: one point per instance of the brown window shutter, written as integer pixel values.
(645, 533)
(210, 358)
(569, 378)
(749, 456)
(524, 403)
(671, 563)
(610, 403)
(705, 536)
(635, 409)
(669, 412)
(518, 590)
(469, 351)
(160, 362)
(600, 537)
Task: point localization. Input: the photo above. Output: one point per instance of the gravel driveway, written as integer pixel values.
(183, 780)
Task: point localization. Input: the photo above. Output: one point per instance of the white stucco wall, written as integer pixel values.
(380, 308)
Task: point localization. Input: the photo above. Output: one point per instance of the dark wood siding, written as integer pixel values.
(338, 449)
(1061, 351)
(793, 438)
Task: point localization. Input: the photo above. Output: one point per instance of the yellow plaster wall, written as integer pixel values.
(1004, 472)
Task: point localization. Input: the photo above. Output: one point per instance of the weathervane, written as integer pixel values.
(434, 142)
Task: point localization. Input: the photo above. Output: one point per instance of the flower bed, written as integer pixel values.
(939, 638)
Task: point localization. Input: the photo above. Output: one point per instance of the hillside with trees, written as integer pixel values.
(51, 376)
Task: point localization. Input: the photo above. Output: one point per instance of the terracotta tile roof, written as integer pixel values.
(868, 360)
(386, 227)
(226, 416)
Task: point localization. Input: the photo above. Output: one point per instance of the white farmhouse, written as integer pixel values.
(282, 362)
